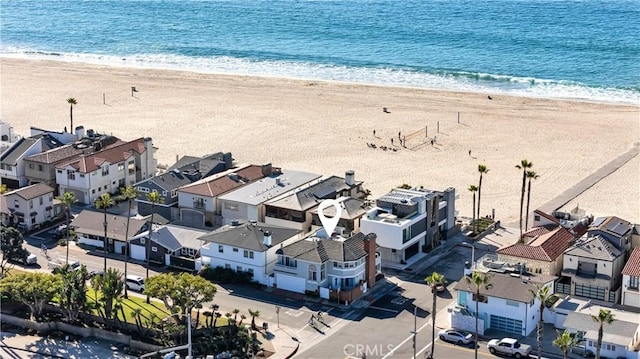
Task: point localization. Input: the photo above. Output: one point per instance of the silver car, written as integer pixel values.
(459, 337)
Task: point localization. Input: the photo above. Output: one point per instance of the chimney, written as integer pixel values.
(80, 132)
(350, 177)
(266, 169)
(228, 160)
(370, 268)
(267, 238)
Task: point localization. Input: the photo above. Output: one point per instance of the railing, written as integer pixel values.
(287, 269)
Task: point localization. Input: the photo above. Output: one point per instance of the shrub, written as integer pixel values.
(224, 275)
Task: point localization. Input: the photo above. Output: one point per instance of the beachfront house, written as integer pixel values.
(7, 136)
(248, 202)
(108, 170)
(410, 221)
(507, 305)
(30, 207)
(198, 202)
(631, 280)
(614, 229)
(185, 171)
(171, 245)
(294, 210)
(337, 268)
(89, 228)
(353, 210)
(592, 269)
(12, 164)
(247, 247)
(41, 167)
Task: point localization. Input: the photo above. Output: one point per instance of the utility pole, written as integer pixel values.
(278, 314)
(415, 331)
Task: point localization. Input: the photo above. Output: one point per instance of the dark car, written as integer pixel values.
(94, 273)
(60, 231)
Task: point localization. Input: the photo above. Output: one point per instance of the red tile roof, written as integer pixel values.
(218, 185)
(116, 153)
(546, 247)
(538, 231)
(632, 267)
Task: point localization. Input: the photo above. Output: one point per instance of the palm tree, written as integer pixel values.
(67, 200)
(531, 175)
(129, 193)
(104, 201)
(153, 198)
(524, 165)
(603, 317)
(474, 189)
(542, 294)
(482, 169)
(565, 341)
(236, 311)
(254, 314)
(434, 280)
(480, 281)
(71, 101)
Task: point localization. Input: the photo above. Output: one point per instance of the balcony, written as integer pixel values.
(286, 269)
(571, 272)
(199, 205)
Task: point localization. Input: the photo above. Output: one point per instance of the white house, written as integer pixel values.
(12, 166)
(7, 136)
(247, 247)
(631, 280)
(507, 305)
(106, 171)
(620, 339)
(408, 222)
(247, 202)
(30, 206)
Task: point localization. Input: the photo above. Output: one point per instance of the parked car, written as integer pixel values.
(134, 282)
(60, 231)
(509, 346)
(94, 273)
(459, 337)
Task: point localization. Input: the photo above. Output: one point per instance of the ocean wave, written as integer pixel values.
(439, 79)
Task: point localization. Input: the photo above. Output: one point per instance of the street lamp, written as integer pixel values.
(473, 253)
(278, 314)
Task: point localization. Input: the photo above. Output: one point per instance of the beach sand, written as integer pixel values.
(324, 127)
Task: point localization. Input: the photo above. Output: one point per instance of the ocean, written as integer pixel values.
(575, 49)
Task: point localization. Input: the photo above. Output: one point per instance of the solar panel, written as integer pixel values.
(598, 221)
(619, 229)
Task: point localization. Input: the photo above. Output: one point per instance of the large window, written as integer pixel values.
(248, 254)
(406, 235)
(105, 170)
(313, 273)
(633, 282)
(287, 262)
(71, 175)
(590, 292)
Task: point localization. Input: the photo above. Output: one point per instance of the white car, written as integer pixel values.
(459, 337)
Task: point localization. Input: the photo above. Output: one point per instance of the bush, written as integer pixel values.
(224, 275)
(62, 242)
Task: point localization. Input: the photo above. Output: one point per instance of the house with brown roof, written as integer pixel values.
(89, 227)
(106, 171)
(198, 202)
(543, 253)
(631, 280)
(30, 207)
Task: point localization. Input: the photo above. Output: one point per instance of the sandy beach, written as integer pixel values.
(325, 127)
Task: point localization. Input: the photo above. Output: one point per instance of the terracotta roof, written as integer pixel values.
(632, 267)
(114, 154)
(538, 231)
(33, 191)
(216, 185)
(546, 247)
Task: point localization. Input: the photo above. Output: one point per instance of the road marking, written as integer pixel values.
(385, 309)
(406, 340)
(294, 313)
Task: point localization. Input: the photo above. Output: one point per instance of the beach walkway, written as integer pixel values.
(588, 182)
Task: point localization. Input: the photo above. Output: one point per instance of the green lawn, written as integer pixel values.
(132, 303)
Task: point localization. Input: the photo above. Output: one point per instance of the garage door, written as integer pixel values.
(137, 252)
(506, 324)
(290, 283)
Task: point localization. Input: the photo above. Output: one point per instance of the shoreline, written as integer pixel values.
(325, 127)
(488, 91)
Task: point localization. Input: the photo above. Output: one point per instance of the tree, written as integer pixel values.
(542, 294)
(565, 341)
(482, 169)
(603, 317)
(71, 101)
(254, 314)
(473, 189)
(434, 280)
(182, 291)
(111, 284)
(531, 175)
(524, 166)
(129, 193)
(3, 188)
(153, 198)
(73, 295)
(67, 200)
(33, 289)
(11, 246)
(480, 281)
(104, 201)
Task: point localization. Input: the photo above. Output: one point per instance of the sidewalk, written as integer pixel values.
(28, 346)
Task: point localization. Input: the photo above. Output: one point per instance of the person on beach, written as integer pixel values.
(469, 153)
(374, 133)
(392, 141)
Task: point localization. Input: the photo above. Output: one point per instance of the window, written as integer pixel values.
(154, 249)
(82, 175)
(235, 249)
(120, 167)
(16, 204)
(142, 240)
(40, 168)
(322, 272)
(313, 273)
(31, 166)
(239, 269)
(93, 191)
(174, 193)
(6, 167)
(513, 303)
(220, 248)
(143, 189)
(198, 203)
(50, 197)
(71, 175)
(105, 171)
(250, 270)
(406, 235)
(59, 171)
(41, 200)
(287, 262)
(633, 282)
(248, 254)
(536, 217)
(132, 168)
(164, 193)
(611, 347)
(30, 204)
(33, 220)
(227, 266)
